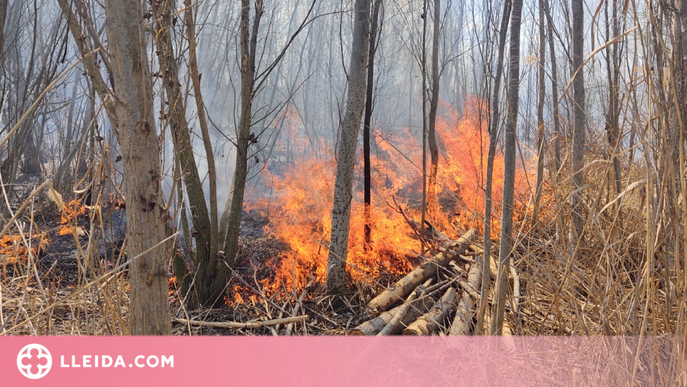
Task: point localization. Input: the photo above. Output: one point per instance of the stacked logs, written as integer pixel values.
(444, 286)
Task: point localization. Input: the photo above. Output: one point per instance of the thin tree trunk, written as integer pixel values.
(541, 94)
(432, 204)
(423, 71)
(612, 118)
(580, 125)
(368, 122)
(90, 61)
(146, 212)
(509, 171)
(3, 16)
(243, 141)
(202, 121)
(341, 211)
(493, 137)
(556, 116)
(176, 117)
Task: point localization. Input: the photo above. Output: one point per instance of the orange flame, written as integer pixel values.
(70, 213)
(299, 208)
(14, 249)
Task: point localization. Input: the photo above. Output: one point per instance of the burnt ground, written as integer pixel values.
(257, 253)
(60, 273)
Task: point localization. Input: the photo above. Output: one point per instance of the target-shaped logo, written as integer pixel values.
(34, 361)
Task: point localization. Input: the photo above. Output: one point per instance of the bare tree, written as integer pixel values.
(580, 126)
(493, 138)
(375, 29)
(432, 119)
(146, 212)
(175, 116)
(509, 170)
(341, 211)
(541, 91)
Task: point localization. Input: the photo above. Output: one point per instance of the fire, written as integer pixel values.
(70, 213)
(13, 248)
(299, 207)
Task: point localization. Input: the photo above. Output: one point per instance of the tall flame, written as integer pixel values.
(299, 207)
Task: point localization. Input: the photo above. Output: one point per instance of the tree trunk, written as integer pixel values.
(243, 141)
(3, 16)
(580, 125)
(368, 122)
(145, 208)
(202, 122)
(612, 118)
(183, 149)
(341, 211)
(90, 60)
(556, 115)
(432, 204)
(493, 137)
(541, 94)
(509, 170)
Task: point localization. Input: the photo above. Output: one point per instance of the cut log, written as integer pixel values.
(466, 305)
(401, 289)
(375, 325)
(403, 310)
(432, 320)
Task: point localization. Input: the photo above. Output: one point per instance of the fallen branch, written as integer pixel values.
(401, 289)
(431, 321)
(289, 328)
(466, 306)
(247, 325)
(403, 310)
(375, 325)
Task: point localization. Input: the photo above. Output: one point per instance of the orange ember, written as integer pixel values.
(299, 207)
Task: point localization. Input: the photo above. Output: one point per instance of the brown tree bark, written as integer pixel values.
(202, 122)
(541, 94)
(89, 59)
(175, 115)
(341, 211)
(432, 204)
(248, 39)
(493, 137)
(3, 16)
(580, 125)
(509, 170)
(368, 122)
(146, 213)
(556, 114)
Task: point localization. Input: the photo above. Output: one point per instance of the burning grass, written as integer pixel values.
(13, 248)
(70, 214)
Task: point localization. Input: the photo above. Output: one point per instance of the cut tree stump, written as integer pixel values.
(432, 320)
(401, 289)
(462, 322)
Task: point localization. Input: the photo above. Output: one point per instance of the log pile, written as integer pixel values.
(438, 297)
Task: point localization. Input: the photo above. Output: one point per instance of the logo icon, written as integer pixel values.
(34, 361)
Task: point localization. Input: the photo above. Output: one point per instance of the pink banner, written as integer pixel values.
(340, 361)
